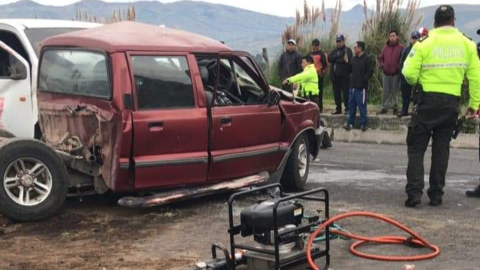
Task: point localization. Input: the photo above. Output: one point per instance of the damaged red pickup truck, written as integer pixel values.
(130, 107)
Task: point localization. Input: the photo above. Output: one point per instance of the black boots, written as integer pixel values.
(435, 203)
(474, 193)
(411, 203)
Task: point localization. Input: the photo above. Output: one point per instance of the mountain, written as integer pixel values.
(467, 17)
(241, 29)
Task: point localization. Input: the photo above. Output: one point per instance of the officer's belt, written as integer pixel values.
(429, 96)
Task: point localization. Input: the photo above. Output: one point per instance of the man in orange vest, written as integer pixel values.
(321, 65)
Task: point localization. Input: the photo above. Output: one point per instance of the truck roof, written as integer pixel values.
(40, 23)
(134, 36)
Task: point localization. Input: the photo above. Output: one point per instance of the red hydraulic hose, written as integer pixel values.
(416, 239)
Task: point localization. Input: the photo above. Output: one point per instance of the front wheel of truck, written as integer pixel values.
(295, 175)
(34, 180)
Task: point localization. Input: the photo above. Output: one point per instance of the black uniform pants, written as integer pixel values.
(341, 86)
(406, 95)
(435, 119)
(320, 93)
(312, 98)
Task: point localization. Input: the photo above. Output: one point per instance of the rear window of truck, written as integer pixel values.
(74, 72)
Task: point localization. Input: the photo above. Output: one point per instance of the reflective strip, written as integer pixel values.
(449, 65)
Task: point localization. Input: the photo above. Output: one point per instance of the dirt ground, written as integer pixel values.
(98, 234)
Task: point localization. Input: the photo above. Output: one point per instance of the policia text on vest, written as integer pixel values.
(439, 63)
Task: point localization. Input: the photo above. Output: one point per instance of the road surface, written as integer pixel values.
(97, 234)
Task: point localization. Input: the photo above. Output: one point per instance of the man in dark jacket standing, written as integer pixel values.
(290, 64)
(321, 65)
(404, 86)
(339, 74)
(476, 192)
(361, 68)
(389, 59)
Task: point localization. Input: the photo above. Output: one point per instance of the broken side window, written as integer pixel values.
(163, 82)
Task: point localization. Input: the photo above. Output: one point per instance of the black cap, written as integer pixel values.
(340, 37)
(316, 42)
(416, 34)
(478, 32)
(444, 13)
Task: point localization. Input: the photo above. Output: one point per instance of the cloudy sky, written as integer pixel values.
(275, 7)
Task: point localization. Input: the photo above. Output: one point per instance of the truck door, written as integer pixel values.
(245, 130)
(15, 96)
(170, 129)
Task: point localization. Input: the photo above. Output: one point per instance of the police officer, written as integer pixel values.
(476, 192)
(439, 63)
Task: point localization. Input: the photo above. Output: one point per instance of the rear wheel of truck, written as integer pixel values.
(34, 180)
(295, 176)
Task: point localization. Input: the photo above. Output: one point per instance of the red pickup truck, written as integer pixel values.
(130, 107)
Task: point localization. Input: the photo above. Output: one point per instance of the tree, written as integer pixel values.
(129, 15)
(312, 23)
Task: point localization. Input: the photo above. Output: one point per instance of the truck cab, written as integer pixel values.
(20, 42)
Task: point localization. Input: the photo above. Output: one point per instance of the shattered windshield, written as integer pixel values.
(37, 35)
(74, 72)
(243, 78)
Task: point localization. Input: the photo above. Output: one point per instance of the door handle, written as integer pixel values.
(226, 121)
(155, 126)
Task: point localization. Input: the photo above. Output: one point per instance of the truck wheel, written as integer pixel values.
(34, 180)
(296, 171)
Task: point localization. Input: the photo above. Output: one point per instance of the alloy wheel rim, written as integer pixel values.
(27, 181)
(302, 158)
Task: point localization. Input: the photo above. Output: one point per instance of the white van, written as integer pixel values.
(20, 41)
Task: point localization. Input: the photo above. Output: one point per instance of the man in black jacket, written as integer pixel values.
(339, 74)
(290, 64)
(476, 192)
(404, 86)
(361, 68)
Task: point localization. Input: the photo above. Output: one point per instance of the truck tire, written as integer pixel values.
(296, 171)
(33, 182)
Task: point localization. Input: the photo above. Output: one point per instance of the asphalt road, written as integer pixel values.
(362, 177)
(98, 234)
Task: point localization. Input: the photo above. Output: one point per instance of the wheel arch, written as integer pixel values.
(310, 131)
(37, 132)
(312, 142)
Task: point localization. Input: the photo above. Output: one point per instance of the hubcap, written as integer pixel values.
(302, 158)
(27, 181)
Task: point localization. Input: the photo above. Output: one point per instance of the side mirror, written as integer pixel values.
(17, 73)
(273, 98)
